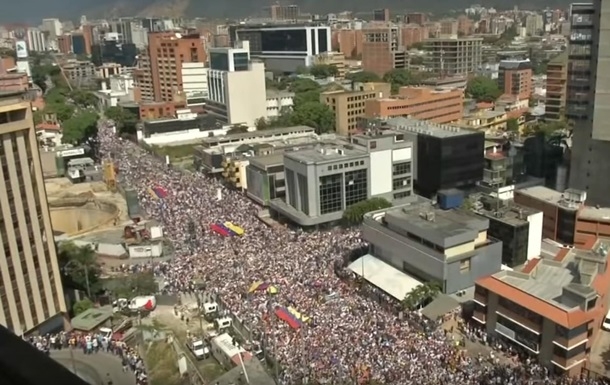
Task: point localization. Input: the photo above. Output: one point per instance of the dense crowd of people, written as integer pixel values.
(352, 339)
(94, 343)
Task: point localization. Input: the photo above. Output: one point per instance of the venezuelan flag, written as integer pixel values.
(301, 317)
(152, 193)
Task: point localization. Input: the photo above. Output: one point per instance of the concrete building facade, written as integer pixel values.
(349, 106)
(552, 309)
(515, 78)
(587, 103)
(382, 50)
(450, 57)
(450, 247)
(322, 182)
(438, 106)
(31, 293)
(236, 86)
(556, 80)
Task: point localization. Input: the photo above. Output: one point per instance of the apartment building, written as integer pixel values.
(349, 106)
(438, 106)
(515, 78)
(448, 247)
(556, 81)
(167, 52)
(31, 293)
(382, 50)
(412, 34)
(143, 79)
(349, 42)
(335, 59)
(450, 57)
(552, 309)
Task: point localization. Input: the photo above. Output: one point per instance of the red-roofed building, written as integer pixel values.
(553, 308)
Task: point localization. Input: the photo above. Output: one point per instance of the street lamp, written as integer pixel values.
(86, 269)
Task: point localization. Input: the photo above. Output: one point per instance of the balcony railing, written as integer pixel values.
(572, 342)
(568, 363)
(479, 317)
(519, 319)
(480, 298)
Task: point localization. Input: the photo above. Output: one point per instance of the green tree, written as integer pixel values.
(79, 265)
(79, 127)
(512, 125)
(363, 77)
(261, 124)
(421, 296)
(416, 60)
(136, 284)
(63, 112)
(354, 214)
(314, 114)
(237, 129)
(301, 85)
(84, 99)
(483, 89)
(301, 98)
(125, 120)
(323, 70)
(82, 306)
(37, 116)
(399, 78)
(544, 128)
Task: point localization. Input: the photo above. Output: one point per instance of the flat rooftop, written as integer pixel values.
(514, 215)
(446, 222)
(259, 134)
(601, 214)
(324, 153)
(268, 160)
(552, 196)
(562, 279)
(423, 127)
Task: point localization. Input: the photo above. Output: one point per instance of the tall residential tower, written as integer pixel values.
(588, 100)
(31, 295)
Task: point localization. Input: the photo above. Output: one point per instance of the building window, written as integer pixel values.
(400, 183)
(356, 187)
(401, 168)
(373, 145)
(465, 266)
(330, 194)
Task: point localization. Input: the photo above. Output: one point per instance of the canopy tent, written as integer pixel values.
(284, 315)
(387, 278)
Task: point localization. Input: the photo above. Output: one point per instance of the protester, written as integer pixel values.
(350, 339)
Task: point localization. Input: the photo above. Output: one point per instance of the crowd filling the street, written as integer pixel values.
(349, 340)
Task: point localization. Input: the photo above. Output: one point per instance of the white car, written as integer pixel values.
(198, 348)
(606, 323)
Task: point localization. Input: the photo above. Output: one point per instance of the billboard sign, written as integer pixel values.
(21, 48)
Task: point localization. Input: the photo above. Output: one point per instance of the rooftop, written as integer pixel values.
(91, 318)
(271, 93)
(514, 214)
(259, 134)
(268, 160)
(601, 214)
(570, 199)
(558, 287)
(325, 153)
(426, 128)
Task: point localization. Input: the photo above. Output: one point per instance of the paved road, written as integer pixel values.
(94, 368)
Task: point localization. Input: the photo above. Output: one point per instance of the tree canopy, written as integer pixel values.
(84, 98)
(79, 127)
(136, 284)
(125, 120)
(512, 125)
(545, 128)
(354, 214)
(78, 264)
(237, 129)
(483, 89)
(421, 296)
(82, 306)
(363, 77)
(401, 78)
(322, 71)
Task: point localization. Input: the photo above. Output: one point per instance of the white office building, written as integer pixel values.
(53, 27)
(36, 40)
(236, 86)
(195, 83)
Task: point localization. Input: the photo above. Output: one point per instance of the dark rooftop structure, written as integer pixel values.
(23, 364)
(162, 126)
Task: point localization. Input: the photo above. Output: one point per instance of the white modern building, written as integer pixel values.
(236, 86)
(36, 40)
(195, 83)
(53, 27)
(278, 101)
(120, 89)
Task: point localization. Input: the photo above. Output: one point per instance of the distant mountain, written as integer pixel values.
(32, 11)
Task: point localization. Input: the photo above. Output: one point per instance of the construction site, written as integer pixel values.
(97, 214)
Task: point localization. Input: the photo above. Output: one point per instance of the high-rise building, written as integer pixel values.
(36, 40)
(236, 86)
(412, 34)
(450, 57)
(534, 25)
(556, 79)
(79, 44)
(416, 18)
(31, 294)
(449, 28)
(382, 50)
(283, 48)
(53, 27)
(167, 52)
(283, 12)
(382, 14)
(349, 42)
(64, 43)
(515, 78)
(587, 103)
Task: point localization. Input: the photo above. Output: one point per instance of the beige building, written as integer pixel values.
(31, 294)
(336, 59)
(349, 106)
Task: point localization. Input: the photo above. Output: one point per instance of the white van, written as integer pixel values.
(210, 308)
(223, 323)
(106, 334)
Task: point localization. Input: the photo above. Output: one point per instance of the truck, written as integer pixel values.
(198, 348)
(146, 303)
